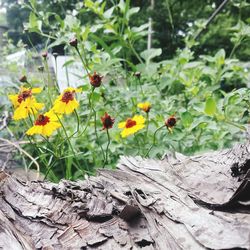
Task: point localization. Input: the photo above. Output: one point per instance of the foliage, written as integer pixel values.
(173, 21)
(206, 94)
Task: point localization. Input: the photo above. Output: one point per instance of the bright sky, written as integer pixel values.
(2, 10)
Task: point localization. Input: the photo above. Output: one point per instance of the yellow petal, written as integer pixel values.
(121, 125)
(35, 130)
(59, 107)
(71, 106)
(52, 115)
(139, 119)
(36, 90)
(14, 100)
(20, 113)
(38, 105)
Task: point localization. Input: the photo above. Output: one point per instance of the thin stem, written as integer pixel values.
(211, 18)
(77, 129)
(25, 153)
(157, 130)
(235, 125)
(57, 85)
(106, 158)
(147, 114)
(237, 44)
(138, 144)
(83, 62)
(49, 79)
(70, 145)
(139, 80)
(90, 114)
(135, 53)
(96, 134)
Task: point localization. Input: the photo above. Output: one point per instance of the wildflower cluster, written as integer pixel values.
(45, 121)
(25, 105)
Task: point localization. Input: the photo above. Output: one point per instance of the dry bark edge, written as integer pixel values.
(180, 202)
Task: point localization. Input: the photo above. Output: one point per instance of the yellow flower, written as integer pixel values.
(132, 125)
(25, 103)
(145, 106)
(45, 124)
(66, 102)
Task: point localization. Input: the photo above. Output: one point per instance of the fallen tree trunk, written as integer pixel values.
(180, 202)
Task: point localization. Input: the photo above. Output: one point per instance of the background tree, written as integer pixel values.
(173, 21)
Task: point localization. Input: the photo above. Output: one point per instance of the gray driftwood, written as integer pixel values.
(180, 202)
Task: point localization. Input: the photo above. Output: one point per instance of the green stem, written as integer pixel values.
(235, 125)
(154, 138)
(90, 114)
(70, 145)
(237, 44)
(106, 158)
(83, 62)
(77, 129)
(96, 134)
(139, 80)
(135, 53)
(49, 79)
(147, 125)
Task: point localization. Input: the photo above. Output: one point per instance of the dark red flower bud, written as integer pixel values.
(171, 121)
(95, 80)
(45, 54)
(23, 78)
(41, 68)
(107, 121)
(137, 74)
(73, 42)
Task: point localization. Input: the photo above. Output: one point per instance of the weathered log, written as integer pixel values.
(179, 202)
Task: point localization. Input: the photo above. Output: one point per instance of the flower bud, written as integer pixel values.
(171, 121)
(73, 42)
(95, 80)
(44, 54)
(23, 78)
(138, 75)
(107, 121)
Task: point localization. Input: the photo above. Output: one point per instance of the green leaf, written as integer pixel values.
(67, 63)
(131, 12)
(108, 13)
(210, 106)
(220, 57)
(186, 119)
(96, 97)
(149, 54)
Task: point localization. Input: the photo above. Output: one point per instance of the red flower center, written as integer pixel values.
(68, 96)
(42, 120)
(130, 123)
(24, 95)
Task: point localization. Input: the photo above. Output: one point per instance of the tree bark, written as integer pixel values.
(180, 202)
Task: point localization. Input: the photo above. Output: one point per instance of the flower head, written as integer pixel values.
(95, 80)
(44, 54)
(66, 103)
(171, 122)
(23, 79)
(73, 42)
(107, 121)
(145, 106)
(25, 103)
(45, 124)
(137, 74)
(132, 125)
